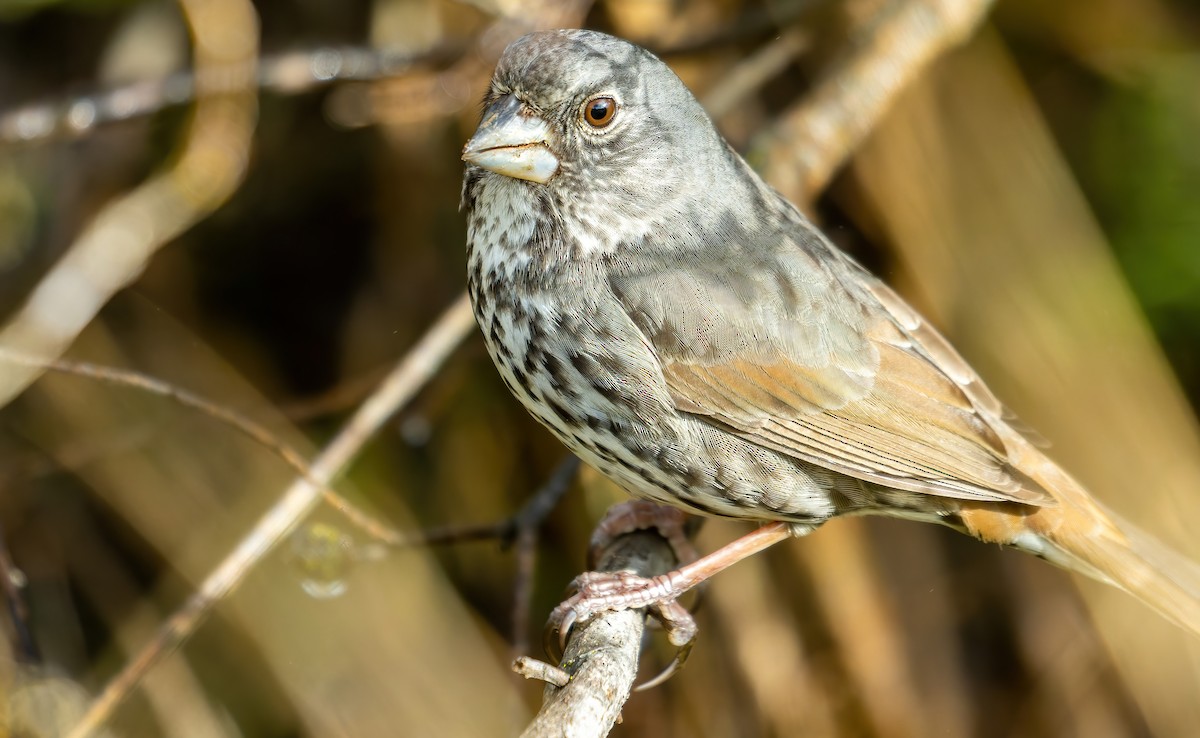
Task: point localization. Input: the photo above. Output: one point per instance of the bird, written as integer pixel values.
(683, 328)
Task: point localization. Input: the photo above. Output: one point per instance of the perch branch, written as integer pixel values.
(602, 654)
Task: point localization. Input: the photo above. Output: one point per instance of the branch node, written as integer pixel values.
(532, 668)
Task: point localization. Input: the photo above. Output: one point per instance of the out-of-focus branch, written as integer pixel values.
(508, 530)
(809, 142)
(753, 22)
(419, 98)
(522, 530)
(114, 248)
(526, 525)
(750, 73)
(602, 655)
(302, 70)
(417, 368)
(288, 73)
(812, 142)
(234, 419)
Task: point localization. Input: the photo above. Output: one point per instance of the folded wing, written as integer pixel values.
(814, 358)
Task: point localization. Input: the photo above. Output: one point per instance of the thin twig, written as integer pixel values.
(526, 555)
(533, 669)
(508, 530)
(410, 375)
(543, 502)
(528, 521)
(236, 420)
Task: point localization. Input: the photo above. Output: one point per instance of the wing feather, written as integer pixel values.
(816, 359)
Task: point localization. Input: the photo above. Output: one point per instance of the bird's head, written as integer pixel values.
(604, 130)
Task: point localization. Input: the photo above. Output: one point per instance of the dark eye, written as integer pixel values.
(599, 111)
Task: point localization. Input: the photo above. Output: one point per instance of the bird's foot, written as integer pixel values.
(598, 592)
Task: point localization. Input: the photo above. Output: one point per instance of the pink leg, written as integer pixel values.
(598, 592)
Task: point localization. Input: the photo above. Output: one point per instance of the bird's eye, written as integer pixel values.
(599, 111)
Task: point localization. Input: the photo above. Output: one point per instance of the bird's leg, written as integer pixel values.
(670, 522)
(598, 592)
(623, 590)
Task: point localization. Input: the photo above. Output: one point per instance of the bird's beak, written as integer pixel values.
(512, 142)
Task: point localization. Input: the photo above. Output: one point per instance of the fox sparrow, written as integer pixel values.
(683, 328)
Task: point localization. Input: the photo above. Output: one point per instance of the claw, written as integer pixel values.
(600, 591)
(564, 629)
(677, 622)
(672, 669)
(551, 645)
(562, 620)
(681, 632)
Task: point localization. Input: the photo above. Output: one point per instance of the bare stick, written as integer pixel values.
(409, 376)
(540, 670)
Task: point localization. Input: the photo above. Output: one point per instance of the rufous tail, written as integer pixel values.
(1082, 535)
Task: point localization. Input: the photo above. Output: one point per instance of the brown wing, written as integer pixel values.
(815, 359)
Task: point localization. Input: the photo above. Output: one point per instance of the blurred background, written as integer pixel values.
(1035, 193)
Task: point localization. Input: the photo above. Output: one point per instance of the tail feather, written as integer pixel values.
(1082, 535)
(1144, 567)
